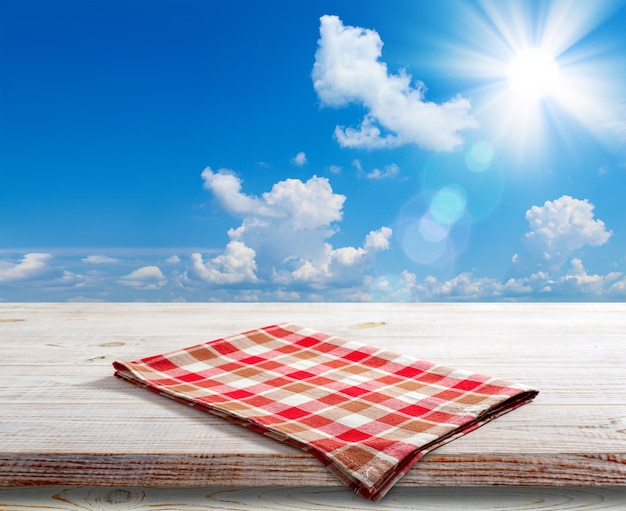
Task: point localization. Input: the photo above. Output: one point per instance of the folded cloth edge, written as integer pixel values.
(125, 371)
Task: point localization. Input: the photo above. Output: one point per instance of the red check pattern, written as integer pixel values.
(367, 414)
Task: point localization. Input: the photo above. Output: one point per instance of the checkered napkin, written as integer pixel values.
(367, 414)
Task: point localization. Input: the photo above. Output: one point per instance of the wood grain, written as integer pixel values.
(67, 421)
(311, 499)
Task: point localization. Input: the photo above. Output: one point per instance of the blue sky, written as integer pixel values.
(312, 150)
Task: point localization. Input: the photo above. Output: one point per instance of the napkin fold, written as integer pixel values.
(366, 413)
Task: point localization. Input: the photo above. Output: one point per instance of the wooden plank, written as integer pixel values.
(35, 383)
(435, 332)
(197, 470)
(312, 499)
(179, 429)
(66, 420)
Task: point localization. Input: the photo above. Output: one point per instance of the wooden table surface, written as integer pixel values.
(66, 422)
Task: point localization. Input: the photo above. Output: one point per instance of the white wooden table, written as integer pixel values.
(74, 437)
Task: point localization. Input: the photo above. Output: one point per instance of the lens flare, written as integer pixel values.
(432, 230)
(419, 248)
(448, 205)
(479, 156)
(474, 180)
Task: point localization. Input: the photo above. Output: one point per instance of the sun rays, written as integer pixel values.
(533, 75)
(532, 78)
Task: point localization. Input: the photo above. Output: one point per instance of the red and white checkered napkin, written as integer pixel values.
(367, 414)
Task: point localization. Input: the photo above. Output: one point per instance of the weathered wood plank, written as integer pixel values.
(311, 499)
(543, 429)
(67, 421)
(53, 383)
(177, 470)
(527, 333)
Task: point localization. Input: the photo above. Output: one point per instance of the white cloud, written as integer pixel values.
(226, 187)
(99, 259)
(558, 230)
(378, 240)
(302, 219)
(30, 266)
(576, 283)
(234, 266)
(347, 70)
(390, 171)
(464, 286)
(283, 237)
(286, 296)
(299, 159)
(310, 205)
(345, 264)
(368, 135)
(147, 277)
(173, 260)
(618, 288)
(72, 279)
(335, 169)
(561, 227)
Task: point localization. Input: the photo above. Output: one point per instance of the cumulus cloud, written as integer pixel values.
(348, 69)
(299, 159)
(99, 259)
(464, 286)
(234, 266)
(618, 289)
(344, 265)
(390, 171)
(30, 266)
(335, 169)
(291, 203)
(559, 228)
(578, 280)
(226, 188)
(549, 270)
(378, 240)
(283, 237)
(574, 283)
(147, 277)
(306, 206)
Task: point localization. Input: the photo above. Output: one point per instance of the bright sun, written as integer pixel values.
(533, 74)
